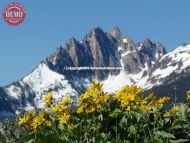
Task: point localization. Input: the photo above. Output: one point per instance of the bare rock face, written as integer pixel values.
(101, 49)
(137, 56)
(116, 33)
(130, 56)
(154, 50)
(104, 52)
(97, 49)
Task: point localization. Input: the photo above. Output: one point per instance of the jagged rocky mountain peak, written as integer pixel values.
(96, 31)
(72, 41)
(146, 64)
(101, 49)
(147, 42)
(116, 33)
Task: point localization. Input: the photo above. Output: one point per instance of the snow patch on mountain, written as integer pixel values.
(13, 91)
(43, 79)
(162, 73)
(174, 61)
(114, 83)
(180, 54)
(125, 40)
(39, 82)
(128, 53)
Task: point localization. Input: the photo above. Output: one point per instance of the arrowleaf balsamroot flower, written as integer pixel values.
(48, 123)
(93, 99)
(61, 107)
(163, 100)
(37, 120)
(130, 98)
(70, 126)
(64, 118)
(61, 110)
(65, 101)
(48, 99)
(173, 111)
(188, 95)
(24, 119)
(131, 113)
(55, 109)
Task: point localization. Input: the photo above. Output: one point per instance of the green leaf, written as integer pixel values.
(100, 117)
(27, 137)
(165, 134)
(182, 109)
(167, 120)
(179, 141)
(116, 113)
(123, 122)
(61, 127)
(132, 130)
(138, 116)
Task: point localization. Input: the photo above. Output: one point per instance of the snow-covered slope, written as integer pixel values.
(175, 61)
(38, 83)
(43, 79)
(180, 54)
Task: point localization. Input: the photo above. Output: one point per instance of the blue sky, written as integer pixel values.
(50, 24)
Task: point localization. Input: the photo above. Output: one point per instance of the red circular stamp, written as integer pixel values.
(14, 13)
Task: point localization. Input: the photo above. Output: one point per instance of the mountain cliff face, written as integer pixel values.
(146, 64)
(97, 49)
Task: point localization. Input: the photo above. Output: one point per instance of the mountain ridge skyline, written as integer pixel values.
(161, 20)
(26, 66)
(146, 64)
(78, 40)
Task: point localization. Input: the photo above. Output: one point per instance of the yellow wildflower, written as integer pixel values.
(128, 97)
(80, 110)
(65, 101)
(104, 97)
(188, 95)
(144, 102)
(124, 104)
(90, 110)
(174, 110)
(34, 126)
(163, 100)
(64, 118)
(151, 96)
(24, 119)
(41, 114)
(37, 120)
(146, 108)
(55, 109)
(92, 100)
(128, 108)
(48, 99)
(70, 126)
(48, 123)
